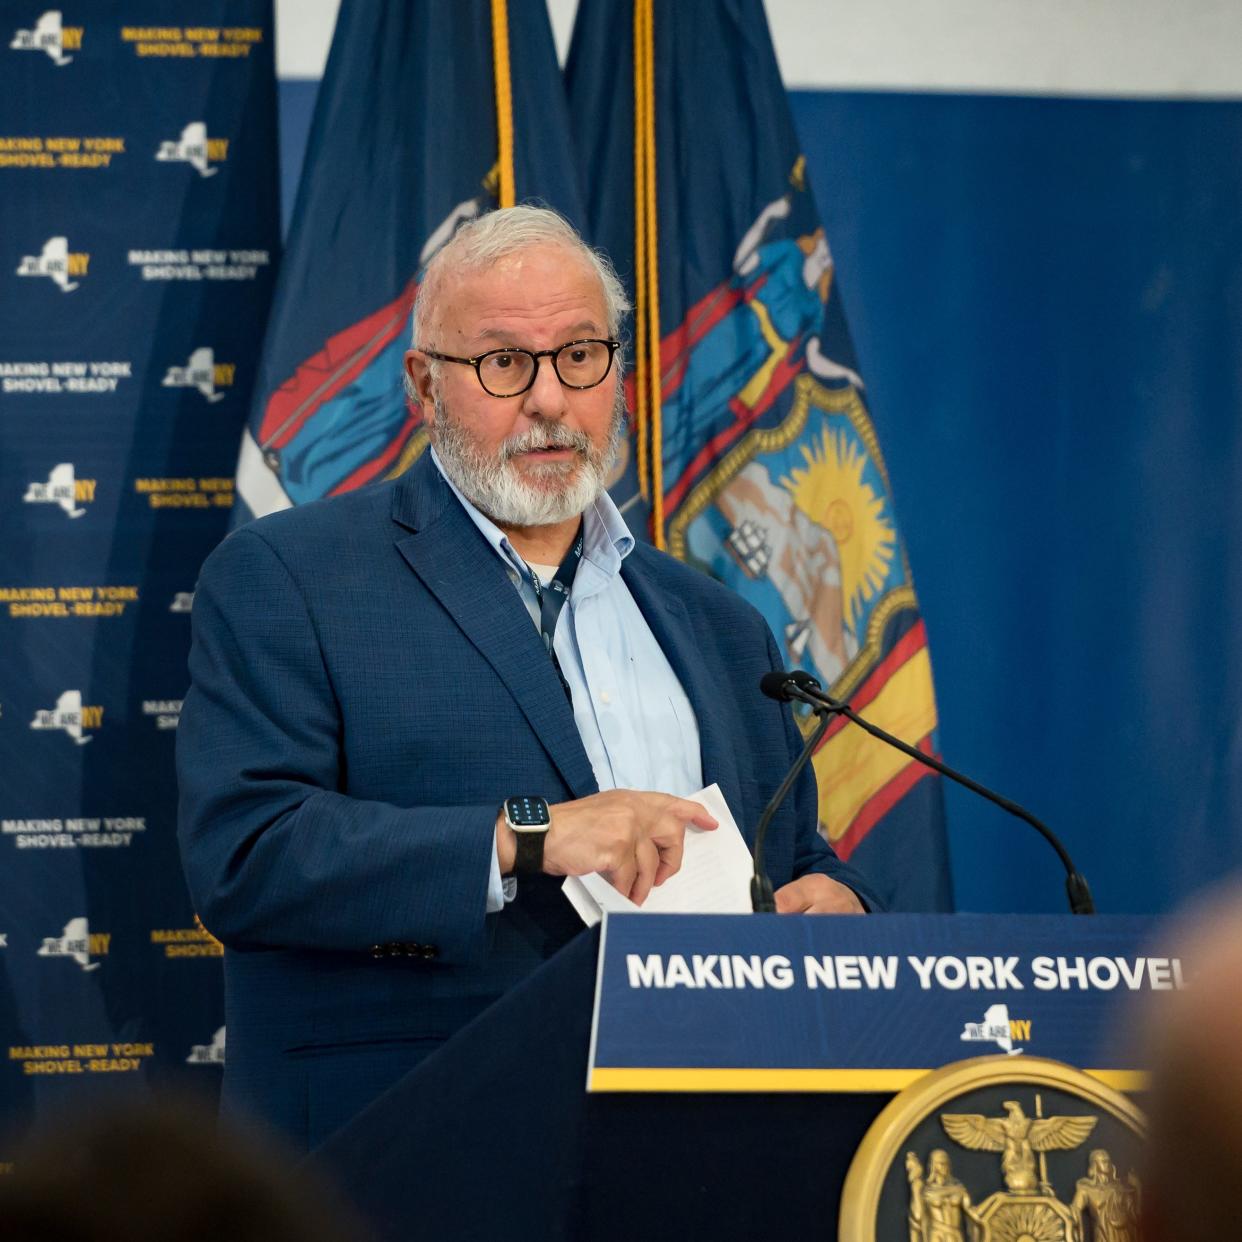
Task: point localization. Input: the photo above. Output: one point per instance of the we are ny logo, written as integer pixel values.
(62, 488)
(194, 148)
(70, 715)
(49, 34)
(57, 262)
(203, 372)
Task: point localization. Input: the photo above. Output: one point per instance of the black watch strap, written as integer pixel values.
(529, 857)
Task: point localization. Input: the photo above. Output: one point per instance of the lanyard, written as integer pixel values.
(553, 598)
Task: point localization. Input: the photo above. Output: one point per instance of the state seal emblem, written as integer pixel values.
(993, 1150)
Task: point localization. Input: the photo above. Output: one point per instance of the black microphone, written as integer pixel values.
(762, 899)
(800, 686)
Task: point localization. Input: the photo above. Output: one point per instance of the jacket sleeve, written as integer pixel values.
(274, 853)
(811, 852)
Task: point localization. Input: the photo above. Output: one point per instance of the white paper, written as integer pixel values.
(589, 910)
(714, 877)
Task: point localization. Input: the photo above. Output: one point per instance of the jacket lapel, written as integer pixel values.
(452, 559)
(670, 622)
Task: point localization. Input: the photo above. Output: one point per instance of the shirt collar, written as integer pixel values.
(606, 540)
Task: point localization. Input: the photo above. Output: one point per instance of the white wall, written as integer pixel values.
(1163, 48)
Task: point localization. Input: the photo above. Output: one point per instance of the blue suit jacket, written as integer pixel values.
(367, 688)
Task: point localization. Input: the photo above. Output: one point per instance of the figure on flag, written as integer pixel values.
(743, 344)
(343, 417)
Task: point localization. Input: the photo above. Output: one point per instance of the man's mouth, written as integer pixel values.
(549, 453)
(557, 447)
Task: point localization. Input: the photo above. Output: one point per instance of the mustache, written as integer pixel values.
(546, 436)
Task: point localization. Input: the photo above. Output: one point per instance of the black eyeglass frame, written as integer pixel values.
(534, 355)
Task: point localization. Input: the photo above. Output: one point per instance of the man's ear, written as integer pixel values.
(418, 368)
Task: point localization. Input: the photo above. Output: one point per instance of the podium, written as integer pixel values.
(495, 1135)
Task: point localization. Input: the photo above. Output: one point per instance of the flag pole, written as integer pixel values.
(506, 195)
(648, 375)
(640, 248)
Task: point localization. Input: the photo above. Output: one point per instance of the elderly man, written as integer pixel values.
(416, 706)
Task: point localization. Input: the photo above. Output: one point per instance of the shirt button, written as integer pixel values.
(605, 697)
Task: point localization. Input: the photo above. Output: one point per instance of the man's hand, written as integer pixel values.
(817, 894)
(634, 839)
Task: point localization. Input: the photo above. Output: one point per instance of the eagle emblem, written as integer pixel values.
(1019, 1137)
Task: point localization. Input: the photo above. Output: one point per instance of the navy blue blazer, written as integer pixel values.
(367, 688)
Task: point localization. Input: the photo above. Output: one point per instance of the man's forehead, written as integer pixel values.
(529, 288)
(501, 332)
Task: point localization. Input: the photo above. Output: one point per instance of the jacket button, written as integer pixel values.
(379, 950)
(430, 951)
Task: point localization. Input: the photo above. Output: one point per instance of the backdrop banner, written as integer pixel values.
(139, 227)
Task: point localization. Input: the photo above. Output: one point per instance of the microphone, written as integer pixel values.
(800, 686)
(762, 899)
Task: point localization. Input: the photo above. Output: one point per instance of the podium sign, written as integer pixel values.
(709, 1003)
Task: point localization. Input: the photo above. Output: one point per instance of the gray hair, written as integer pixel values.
(482, 241)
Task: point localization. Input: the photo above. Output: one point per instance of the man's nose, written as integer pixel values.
(545, 398)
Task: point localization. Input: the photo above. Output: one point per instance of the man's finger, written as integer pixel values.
(671, 854)
(692, 813)
(648, 858)
(817, 894)
(792, 898)
(622, 879)
(675, 816)
(844, 902)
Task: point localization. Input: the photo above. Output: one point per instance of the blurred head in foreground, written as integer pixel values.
(1194, 1152)
(163, 1172)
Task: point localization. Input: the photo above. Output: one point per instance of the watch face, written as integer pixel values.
(527, 812)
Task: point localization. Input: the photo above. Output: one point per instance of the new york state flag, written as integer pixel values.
(755, 456)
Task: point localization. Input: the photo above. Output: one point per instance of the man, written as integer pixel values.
(374, 675)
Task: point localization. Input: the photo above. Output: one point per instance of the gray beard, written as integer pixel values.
(494, 486)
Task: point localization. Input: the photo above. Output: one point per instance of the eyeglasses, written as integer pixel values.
(510, 372)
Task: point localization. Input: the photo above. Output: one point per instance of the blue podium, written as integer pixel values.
(735, 1064)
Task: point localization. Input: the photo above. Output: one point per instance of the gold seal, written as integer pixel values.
(992, 1150)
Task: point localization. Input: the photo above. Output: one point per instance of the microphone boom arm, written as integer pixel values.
(808, 690)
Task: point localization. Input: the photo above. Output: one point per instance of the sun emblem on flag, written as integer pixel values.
(830, 488)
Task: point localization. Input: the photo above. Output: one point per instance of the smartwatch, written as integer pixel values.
(530, 818)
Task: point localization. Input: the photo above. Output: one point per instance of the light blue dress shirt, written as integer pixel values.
(636, 724)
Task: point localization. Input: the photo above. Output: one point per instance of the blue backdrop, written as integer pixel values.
(1046, 296)
(139, 232)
